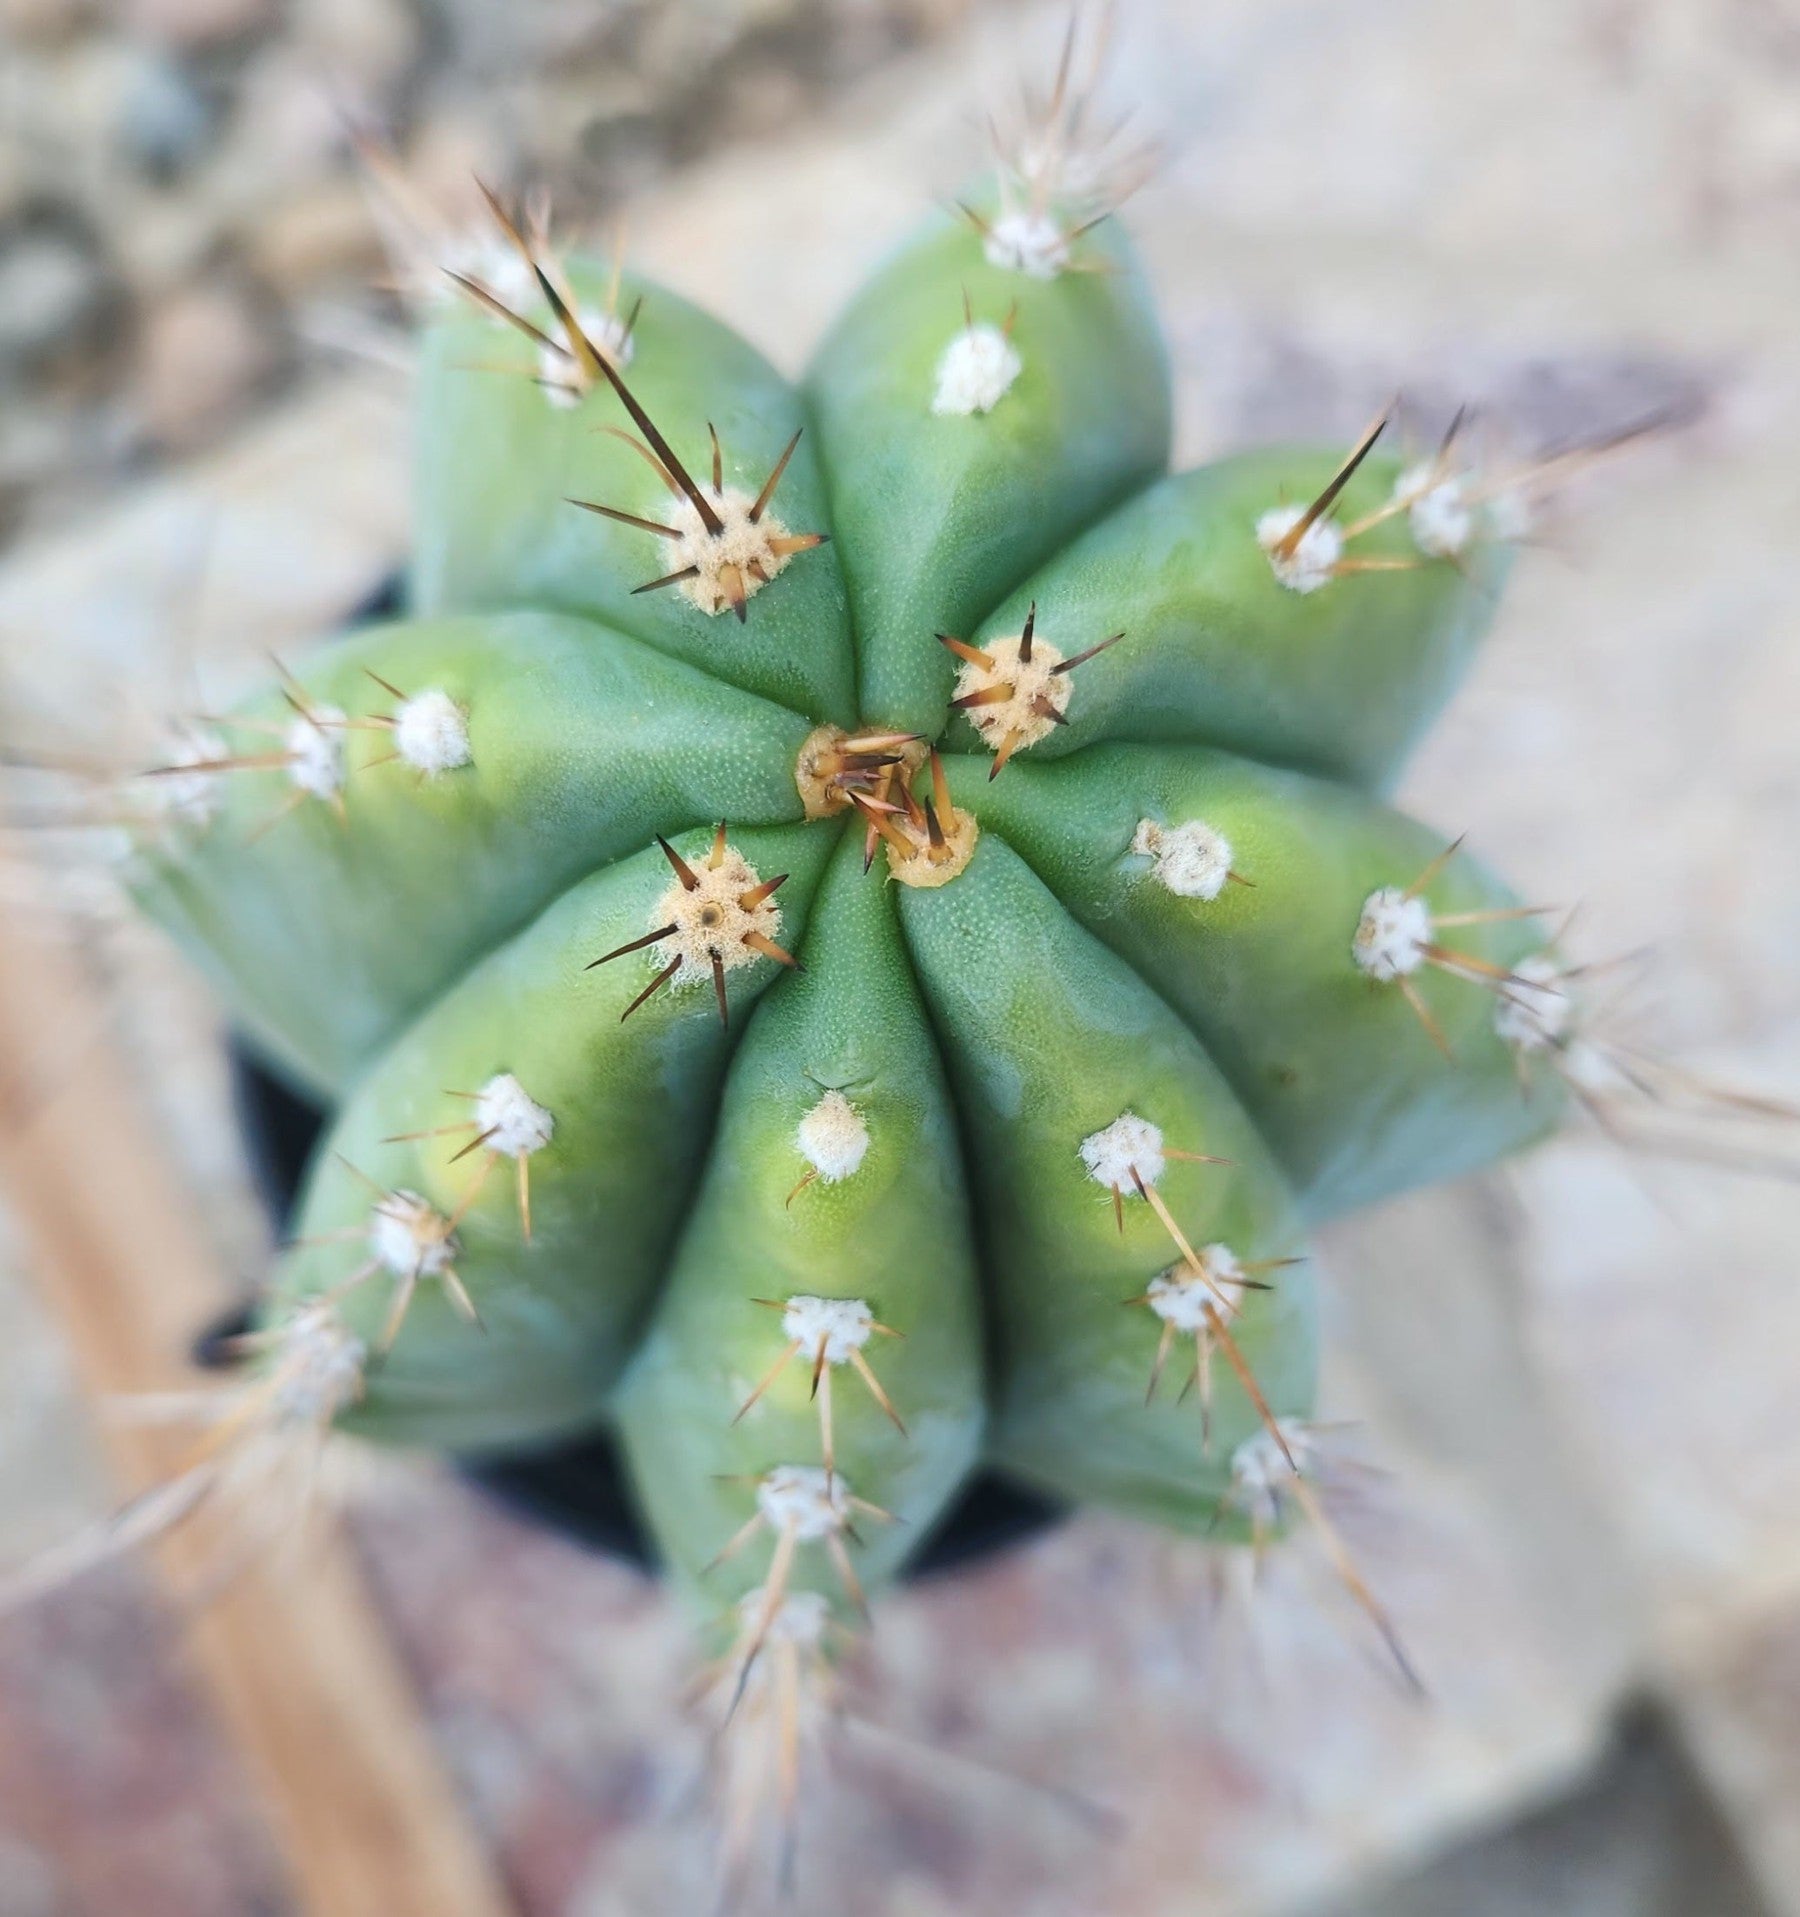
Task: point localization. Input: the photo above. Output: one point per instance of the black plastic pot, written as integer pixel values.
(577, 1488)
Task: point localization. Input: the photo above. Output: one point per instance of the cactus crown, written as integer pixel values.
(1149, 978)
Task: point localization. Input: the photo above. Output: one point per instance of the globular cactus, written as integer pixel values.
(855, 925)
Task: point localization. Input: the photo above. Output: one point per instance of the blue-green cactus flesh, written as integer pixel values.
(850, 936)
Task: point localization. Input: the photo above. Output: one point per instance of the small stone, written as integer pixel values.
(190, 24)
(166, 120)
(369, 46)
(42, 21)
(202, 354)
(55, 291)
(320, 237)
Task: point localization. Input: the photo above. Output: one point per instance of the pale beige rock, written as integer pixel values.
(49, 20)
(197, 23)
(324, 239)
(370, 45)
(201, 355)
(1737, 1694)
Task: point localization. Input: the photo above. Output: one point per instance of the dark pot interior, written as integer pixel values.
(577, 1488)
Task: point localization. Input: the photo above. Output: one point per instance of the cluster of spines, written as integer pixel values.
(257, 1461)
(717, 916)
(1015, 691)
(730, 544)
(1447, 506)
(1397, 936)
(567, 368)
(429, 731)
(807, 1503)
(1200, 1295)
(1059, 175)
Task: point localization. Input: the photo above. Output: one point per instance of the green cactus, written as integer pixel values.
(707, 1022)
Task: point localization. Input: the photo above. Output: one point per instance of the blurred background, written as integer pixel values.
(1579, 1375)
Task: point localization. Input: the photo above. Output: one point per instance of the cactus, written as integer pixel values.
(855, 927)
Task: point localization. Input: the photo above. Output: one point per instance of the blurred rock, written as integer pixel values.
(202, 352)
(166, 119)
(1738, 1695)
(182, 135)
(57, 298)
(290, 120)
(371, 46)
(28, 1885)
(1642, 1839)
(197, 23)
(323, 240)
(42, 20)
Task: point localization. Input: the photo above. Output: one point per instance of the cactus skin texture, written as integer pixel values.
(1112, 980)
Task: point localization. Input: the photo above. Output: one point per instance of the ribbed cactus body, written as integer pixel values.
(330, 933)
(1330, 1067)
(1222, 654)
(1055, 1088)
(1052, 1039)
(896, 1232)
(496, 462)
(946, 511)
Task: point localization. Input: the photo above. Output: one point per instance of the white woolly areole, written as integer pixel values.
(1021, 241)
(611, 334)
(1310, 564)
(1182, 1297)
(1438, 510)
(833, 1137)
(1191, 860)
(743, 549)
(925, 865)
(318, 1366)
(1129, 1144)
(490, 261)
(315, 751)
(409, 1236)
(431, 732)
(1029, 681)
(804, 1499)
(1534, 1010)
(800, 1618)
(976, 371)
(709, 920)
(1392, 934)
(565, 381)
(1260, 1473)
(509, 1120)
(840, 1325)
(192, 798)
